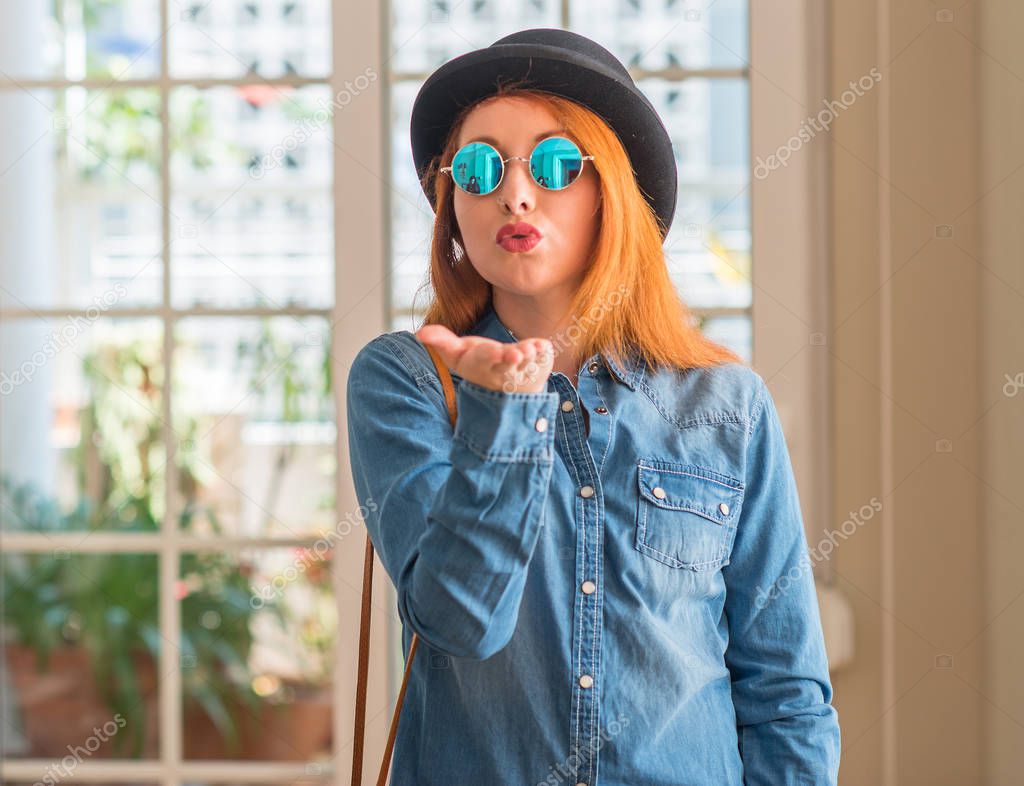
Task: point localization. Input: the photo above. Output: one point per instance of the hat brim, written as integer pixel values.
(466, 79)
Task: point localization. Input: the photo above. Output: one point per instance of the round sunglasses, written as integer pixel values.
(555, 163)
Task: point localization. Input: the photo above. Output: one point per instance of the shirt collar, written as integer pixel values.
(490, 326)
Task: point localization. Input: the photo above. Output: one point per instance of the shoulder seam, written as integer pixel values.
(758, 408)
(425, 380)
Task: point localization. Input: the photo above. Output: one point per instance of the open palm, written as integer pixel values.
(520, 367)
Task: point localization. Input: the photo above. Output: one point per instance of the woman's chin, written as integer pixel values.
(524, 274)
(526, 284)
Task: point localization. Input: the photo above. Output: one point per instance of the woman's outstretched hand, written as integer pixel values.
(520, 367)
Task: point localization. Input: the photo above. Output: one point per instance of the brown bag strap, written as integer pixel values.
(364, 628)
(446, 383)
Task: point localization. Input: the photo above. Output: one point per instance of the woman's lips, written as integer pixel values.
(518, 237)
(518, 244)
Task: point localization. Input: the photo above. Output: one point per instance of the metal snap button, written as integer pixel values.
(587, 491)
(586, 681)
(593, 367)
(724, 508)
(541, 424)
(659, 492)
(567, 406)
(588, 587)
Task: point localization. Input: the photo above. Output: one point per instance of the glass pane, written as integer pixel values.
(255, 413)
(109, 39)
(426, 34)
(252, 222)
(258, 630)
(708, 247)
(82, 655)
(231, 38)
(81, 444)
(655, 34)
(80, 198)
(733, 332)
(412, 218)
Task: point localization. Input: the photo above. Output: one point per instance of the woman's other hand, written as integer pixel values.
(520, 367)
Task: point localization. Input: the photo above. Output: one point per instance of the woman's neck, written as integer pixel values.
(526, 318)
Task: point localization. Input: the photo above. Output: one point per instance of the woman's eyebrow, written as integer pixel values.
(492, 141)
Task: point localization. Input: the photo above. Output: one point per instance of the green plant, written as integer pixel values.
(287, 390)
(108, 604)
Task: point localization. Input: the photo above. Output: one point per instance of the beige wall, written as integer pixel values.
(1000, 211)
(918, 410)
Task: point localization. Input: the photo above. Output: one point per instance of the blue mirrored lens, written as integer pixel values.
(477, 168)
(556, 163)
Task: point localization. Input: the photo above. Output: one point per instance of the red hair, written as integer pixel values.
(627, 282)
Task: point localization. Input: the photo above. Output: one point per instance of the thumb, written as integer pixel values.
(448, 345)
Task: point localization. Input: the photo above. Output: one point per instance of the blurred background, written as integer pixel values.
(207, 208)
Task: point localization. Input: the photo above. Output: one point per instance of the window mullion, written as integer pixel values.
(170, 684)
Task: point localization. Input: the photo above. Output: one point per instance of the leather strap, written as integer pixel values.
(448, 388)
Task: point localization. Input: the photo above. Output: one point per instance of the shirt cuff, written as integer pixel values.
(499, 426)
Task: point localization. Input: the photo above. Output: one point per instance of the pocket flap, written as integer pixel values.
(711, 494)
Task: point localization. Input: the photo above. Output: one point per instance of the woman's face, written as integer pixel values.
(567, 220)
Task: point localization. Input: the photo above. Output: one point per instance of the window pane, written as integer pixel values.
(654, 34)
(81, 444)
(255, 414)
(82, 655)
(251, 219)
(231, 38)
(109, 39)
(426, 34)
(411, 215)
(733, 332)
(258, 630)
(708, 246)
(80, 198)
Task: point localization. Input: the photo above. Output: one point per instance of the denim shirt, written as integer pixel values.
(627, 601)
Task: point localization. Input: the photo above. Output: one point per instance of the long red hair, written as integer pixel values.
(626, 299)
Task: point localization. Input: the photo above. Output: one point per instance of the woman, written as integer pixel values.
(592, 557)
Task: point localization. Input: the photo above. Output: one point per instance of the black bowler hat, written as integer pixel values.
(566, 64)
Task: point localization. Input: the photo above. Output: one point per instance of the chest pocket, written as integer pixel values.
(686, 514)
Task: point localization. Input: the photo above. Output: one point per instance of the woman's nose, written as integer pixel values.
(518, 189)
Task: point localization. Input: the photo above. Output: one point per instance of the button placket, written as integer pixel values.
(601, 427)
(578, 450)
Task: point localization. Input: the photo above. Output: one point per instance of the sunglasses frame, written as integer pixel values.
(501, 179)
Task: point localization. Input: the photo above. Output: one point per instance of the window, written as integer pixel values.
(168, 436)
